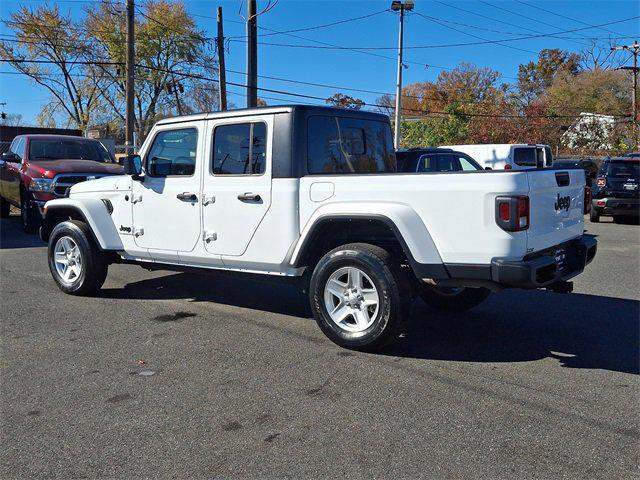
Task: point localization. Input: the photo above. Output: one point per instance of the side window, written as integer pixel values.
(467, 165)
(17, 147)
(240, 149)
(428, 163)
(548, 156)
(348, 145)
(525, 157)
(173, 152)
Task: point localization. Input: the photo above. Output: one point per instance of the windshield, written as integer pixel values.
(624, 168)
(68, 149)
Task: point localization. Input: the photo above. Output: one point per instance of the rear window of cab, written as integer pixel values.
(337, 144)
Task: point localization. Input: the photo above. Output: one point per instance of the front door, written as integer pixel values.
(166, 203)
(236, 182)
(10, 172)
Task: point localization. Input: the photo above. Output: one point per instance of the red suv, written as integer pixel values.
(38, 168)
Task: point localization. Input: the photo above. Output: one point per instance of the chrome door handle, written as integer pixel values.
(250, 197)
(187, 197)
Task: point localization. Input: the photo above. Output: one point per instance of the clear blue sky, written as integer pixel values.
(449, 25)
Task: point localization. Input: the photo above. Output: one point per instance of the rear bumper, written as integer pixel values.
(542, 269)
(616, 206)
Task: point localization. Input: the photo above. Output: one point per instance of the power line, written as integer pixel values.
(470, 34)
(325, 25)
(528, 18)
(313, 97)
(447, 45)
(566, 17)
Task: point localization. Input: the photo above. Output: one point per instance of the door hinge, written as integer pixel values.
(138, 231)
(209, 236)
(136, 197)
(207, 199)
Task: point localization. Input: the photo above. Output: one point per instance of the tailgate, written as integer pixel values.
(557, 206)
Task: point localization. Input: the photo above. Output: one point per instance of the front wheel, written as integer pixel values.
(453, 299)
(75, 261)
(358, 296)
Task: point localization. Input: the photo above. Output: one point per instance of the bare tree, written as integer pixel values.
(47, 48)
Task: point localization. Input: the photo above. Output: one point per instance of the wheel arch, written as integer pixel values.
(388, 230)
(93, 212)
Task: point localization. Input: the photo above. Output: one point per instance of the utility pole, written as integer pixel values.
(222, 74)
(401, 7)
(252, 54)
(176, 88)
(634, 48)
(129, 92)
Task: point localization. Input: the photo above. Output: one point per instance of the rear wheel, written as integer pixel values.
(452, 299)
(359, 296)
(29, 214)
(75, 261)
(594, 216)
(5, 208)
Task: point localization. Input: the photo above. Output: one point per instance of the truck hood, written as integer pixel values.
(104, 184)
(51, 168)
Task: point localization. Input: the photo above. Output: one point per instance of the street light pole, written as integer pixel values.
(634, 48)
(401, 7)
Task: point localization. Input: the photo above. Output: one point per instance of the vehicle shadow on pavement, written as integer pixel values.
(249, 291)
(12, 236)
(580, 331)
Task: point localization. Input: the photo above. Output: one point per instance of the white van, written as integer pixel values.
(507, 156)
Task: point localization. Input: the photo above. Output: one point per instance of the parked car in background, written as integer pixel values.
(632, 155)
(38, 168)
(427, 160)
(615, 191)
(589, 166)
(508, 156)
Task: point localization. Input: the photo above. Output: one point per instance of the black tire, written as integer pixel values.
(29, 215)
(454, 300)
(594, 216)
(94, 264)
(391, 285)
(5, 208)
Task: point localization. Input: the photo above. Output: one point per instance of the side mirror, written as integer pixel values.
(132, 165)
(10, 157)
(488, 168)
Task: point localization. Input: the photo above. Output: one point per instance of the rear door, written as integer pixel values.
(236, 187)
(556, 199)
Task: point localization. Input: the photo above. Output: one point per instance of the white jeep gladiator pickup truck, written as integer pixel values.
(312, 193)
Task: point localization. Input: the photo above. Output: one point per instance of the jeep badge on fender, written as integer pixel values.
(563, 203)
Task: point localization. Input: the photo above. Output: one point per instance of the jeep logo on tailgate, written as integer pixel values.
(563, 203)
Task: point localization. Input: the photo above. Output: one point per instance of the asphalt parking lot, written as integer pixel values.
(185, 376)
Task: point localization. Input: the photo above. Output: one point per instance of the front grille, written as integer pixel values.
(63, 182)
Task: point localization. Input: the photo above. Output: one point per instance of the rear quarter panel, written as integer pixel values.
(456, 210)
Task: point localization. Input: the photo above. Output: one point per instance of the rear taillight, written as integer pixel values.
(587, 200)
(512, 213)
(508, 167)
(601, 203)
(601, 182)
